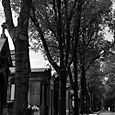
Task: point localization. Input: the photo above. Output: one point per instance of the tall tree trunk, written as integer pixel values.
(21, 77)
(62, 93)
(56, 95)
(19, 36)
(83, 92)
(76, 108)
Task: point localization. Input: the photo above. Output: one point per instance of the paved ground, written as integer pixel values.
(104, 113)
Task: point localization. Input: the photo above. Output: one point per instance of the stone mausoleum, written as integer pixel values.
(40, 92)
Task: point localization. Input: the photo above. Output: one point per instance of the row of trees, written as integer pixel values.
(108, 72)
(70, 34)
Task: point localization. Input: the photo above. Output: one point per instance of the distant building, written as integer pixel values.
(40, 90)
(5, 63)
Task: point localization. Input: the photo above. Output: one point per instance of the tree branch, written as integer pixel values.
(67, 34)
(8, 15)
(76, 32)
(99, 56)
(24, 14)
(72, 11)
(57, 68)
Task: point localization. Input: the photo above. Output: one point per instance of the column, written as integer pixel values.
(42, 112)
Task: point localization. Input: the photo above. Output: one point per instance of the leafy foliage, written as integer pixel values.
(96, 15)
(109, 74)
(95, 80)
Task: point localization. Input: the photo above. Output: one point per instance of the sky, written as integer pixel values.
(36, 59)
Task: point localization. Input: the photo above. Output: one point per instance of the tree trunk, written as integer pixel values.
(21, 77)
(76, 108)
(76, 100)
(83, 91)
(19, 36)
(62, 93)
(56, 95)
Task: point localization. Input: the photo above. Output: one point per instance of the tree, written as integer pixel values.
(58, 21)
(19, 35)
(91, 43)
(65, 30)
(108, 73)
(95, 85)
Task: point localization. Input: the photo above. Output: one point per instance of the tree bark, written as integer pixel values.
(19, 36)
(83, 92)
(21, 77)
(56, 95)
(62, 93)
(76, 108)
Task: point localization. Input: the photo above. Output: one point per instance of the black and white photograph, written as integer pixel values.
(57, 57)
